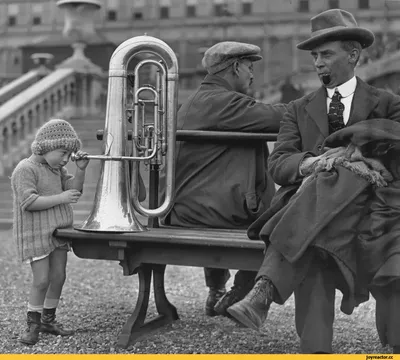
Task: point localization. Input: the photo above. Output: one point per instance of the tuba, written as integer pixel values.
(153, 142)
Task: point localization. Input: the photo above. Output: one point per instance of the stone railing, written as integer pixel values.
(64, 93)
(7, 78)
(16, 85)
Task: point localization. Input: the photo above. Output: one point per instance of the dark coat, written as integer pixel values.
(222, 185)
(379, 236)
(303, 131)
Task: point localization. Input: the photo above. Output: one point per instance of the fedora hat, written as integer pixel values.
(334, 25)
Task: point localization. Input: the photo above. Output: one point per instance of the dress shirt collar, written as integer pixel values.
(346, 89)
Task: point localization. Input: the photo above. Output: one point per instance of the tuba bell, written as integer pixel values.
(117, 192)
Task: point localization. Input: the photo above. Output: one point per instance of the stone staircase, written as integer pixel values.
(86, 129)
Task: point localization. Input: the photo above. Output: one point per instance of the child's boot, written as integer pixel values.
(50, 325)
(31, 334)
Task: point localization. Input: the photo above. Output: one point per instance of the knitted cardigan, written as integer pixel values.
(33, 230)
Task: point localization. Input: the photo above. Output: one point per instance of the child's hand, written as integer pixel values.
(80, 160)
(70, 196)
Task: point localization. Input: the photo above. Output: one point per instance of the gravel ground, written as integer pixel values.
(97, 299)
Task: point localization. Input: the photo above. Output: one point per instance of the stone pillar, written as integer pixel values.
(96, 95)
(78, 27)
(42, 60)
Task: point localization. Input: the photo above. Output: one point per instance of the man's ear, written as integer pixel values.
(354, 55)
(236, 67)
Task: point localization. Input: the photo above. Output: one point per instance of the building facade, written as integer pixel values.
(190, 26)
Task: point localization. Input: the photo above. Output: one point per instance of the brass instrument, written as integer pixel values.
(152, 142)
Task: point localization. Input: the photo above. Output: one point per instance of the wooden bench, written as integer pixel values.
(147, 253)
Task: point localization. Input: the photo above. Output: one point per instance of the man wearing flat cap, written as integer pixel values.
(328, 263)
(224, 185)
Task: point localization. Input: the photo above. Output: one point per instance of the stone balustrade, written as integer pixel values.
(64, 93)
(16, 85)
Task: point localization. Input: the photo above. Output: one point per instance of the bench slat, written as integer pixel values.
(210, 238)
(228, 258)
(192, 135)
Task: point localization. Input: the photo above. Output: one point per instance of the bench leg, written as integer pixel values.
(164, 307)
(136, 327)
(136, 320)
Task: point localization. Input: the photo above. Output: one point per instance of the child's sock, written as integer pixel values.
(49, 323)
(50, 303)
(35, 308)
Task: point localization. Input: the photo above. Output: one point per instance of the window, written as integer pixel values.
(191, 7)
(219, 7)
(37, 11)
(112, 10)
(137, 15)
(247, 7)
(138, 9)
(334, 4)
(37, 20)
(164, 12)
(12, 20)
(304, 6)
(363, 4)
(111, 15)
(164, 8)
(13, 10)
(191, 11)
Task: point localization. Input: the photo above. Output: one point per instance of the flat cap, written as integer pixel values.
(221, 55)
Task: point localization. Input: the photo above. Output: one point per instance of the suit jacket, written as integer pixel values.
(222, 185)
(303, 131)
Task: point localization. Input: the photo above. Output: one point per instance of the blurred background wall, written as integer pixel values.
(191, 26)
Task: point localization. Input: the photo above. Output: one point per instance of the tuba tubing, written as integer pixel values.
(119, 59)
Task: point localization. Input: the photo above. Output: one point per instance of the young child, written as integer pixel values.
(43, 192)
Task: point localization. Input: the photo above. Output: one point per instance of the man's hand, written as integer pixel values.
(333, 152)
(308, 164)
(326, 159)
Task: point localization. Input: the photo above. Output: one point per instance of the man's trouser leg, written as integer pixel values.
(245, 280)
(276, 281)
(315, 307)
(285, 276)
(387, 313)
(216, 278)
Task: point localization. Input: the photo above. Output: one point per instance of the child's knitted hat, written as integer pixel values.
(55, 134)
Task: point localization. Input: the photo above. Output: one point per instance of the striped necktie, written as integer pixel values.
(335, 114)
